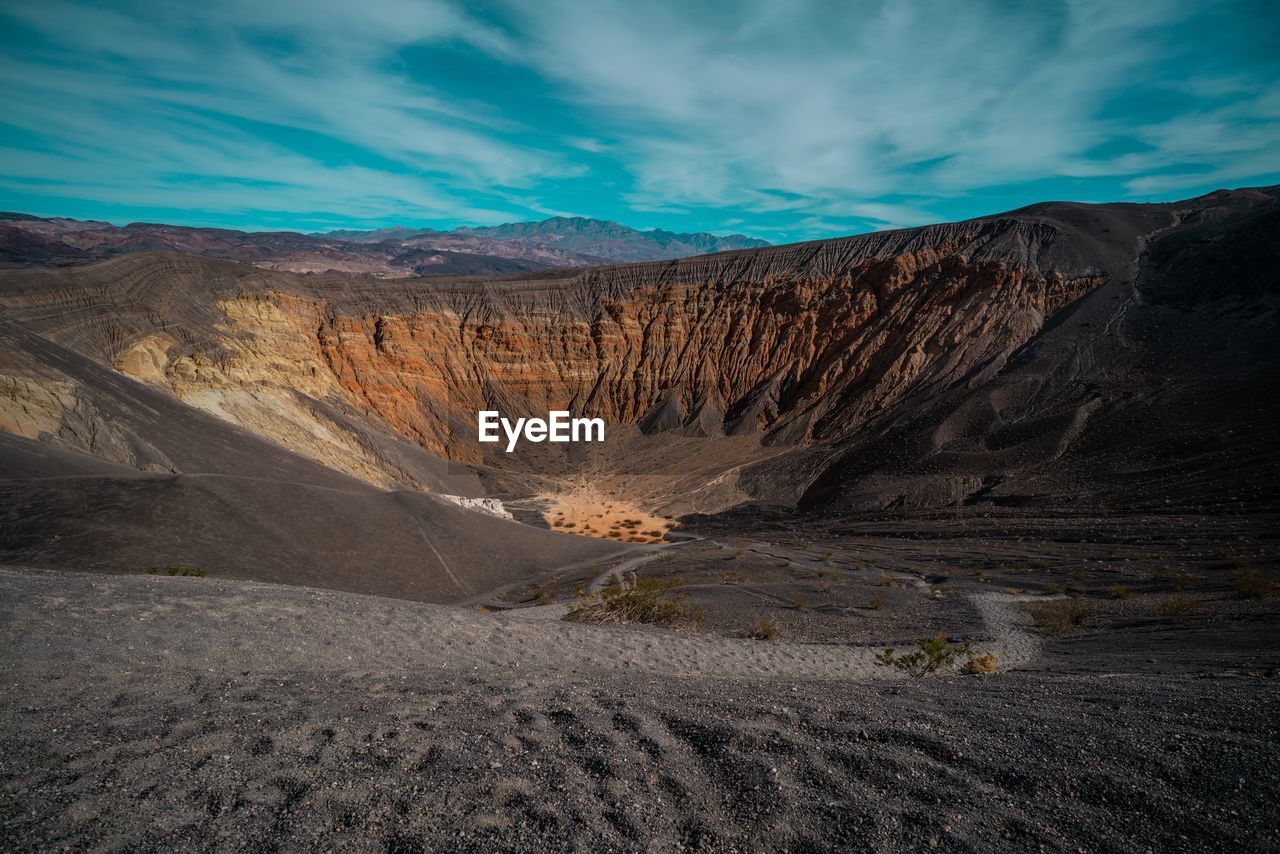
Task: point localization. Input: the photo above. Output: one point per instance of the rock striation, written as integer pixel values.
(921, 367)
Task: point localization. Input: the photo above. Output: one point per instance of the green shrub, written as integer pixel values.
(654, 601)
(934, 654)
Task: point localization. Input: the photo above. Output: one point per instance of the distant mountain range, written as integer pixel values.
(385, 252)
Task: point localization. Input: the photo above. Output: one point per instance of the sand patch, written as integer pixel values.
(591, 513)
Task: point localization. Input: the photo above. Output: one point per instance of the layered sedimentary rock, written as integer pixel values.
(810, 346)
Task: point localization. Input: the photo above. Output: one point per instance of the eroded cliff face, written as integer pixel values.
(795, 360)
(795, 346)
(797, 349)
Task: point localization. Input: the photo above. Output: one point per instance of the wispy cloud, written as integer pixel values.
(844, 103)
(134, 104)
(787, 120)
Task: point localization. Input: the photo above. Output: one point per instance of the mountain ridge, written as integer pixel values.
(391, 252)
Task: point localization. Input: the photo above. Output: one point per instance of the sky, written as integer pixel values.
(781, 120)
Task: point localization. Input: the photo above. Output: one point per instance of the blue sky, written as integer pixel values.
(783, 120)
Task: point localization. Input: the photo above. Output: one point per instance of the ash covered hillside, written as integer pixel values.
(1061, 353)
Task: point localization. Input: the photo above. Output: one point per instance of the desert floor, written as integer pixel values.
(147, 712)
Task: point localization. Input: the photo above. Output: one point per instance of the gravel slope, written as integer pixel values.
(149, 713)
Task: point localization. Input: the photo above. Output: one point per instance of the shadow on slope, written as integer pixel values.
(180, 486)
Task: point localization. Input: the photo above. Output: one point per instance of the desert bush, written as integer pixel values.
(734, 577)
(799, 602)
(979, 664)
(1178, 606)
(178, 569)
(766, 628)
(877, 603)
(653, 601)
(1120, 592)
(1060, 615)
(933, 655)
(1250, 583)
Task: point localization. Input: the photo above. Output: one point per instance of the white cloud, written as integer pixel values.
(837, 104)
(132, 98)
(807, 115)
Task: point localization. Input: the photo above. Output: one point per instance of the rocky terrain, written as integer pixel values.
(1051, 431)
(154, 713)
(390, 253)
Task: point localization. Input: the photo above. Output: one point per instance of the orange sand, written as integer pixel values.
(593, 514)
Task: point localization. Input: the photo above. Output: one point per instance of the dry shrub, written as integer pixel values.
(654, 601)
(733, 577)
(979, 664)
(180, 570)
(1250, 583)
(1060, 615)
(766, 628)
(1120, 592)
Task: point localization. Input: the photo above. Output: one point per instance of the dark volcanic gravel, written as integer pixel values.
(106, 746)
